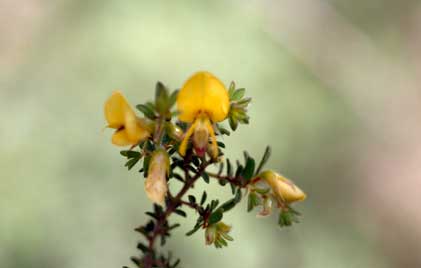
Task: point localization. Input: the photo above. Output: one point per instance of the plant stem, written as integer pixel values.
(173, 204)
(232, 180)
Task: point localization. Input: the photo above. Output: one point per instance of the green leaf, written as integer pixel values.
(238, 94)
(173, 98)
(146, 110)
(238, 195)
(136, 261)
(222, 182)
(195, 228)
(180, 212)
(239, 171)
(176, 225)
(151, 214)
(249, 169)
(223, 130)
(215, 217)
(233, 123)
(205, 177)
(231, 203)
(178, 177)
(161, 98)
(176, 263)
(146, 161)
(221, 144)
(229, 168)
(192, 199)
(133, 154)
(142, 247)
(265, 158)
(214, 204)
(228, 205)
(203, 199)
(221, 168)
(196, 160)
(232, 188)
(129, 164)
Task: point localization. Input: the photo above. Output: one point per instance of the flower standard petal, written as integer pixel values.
(115, 110)
(203, 93)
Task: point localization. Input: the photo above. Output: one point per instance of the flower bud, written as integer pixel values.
(283, 189)
(156, 183)
(218, 234)
(175, 132)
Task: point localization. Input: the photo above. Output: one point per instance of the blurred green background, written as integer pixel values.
(336, 92)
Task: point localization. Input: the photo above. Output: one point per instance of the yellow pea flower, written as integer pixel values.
(130, 129)
(202, 101)
(283, 189)
(156, 183)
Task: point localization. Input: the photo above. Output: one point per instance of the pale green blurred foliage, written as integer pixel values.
(67, 201)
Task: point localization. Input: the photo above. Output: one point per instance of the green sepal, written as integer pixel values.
(288, 217)
(238, 94)
(253, 201)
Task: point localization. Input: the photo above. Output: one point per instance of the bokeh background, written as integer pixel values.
(336, 92)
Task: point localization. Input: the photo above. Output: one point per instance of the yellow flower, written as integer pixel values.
(202, 101)
(130, 130)
(283, 189)
(156, 184)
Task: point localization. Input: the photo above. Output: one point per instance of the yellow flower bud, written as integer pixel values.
(156, 183)
(130, 130)
(202, 101)
(283, 189)
(174, 131)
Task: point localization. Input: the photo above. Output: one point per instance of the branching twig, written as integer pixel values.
(172, 205)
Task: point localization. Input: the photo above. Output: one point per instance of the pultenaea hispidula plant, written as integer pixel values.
(179, 144)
